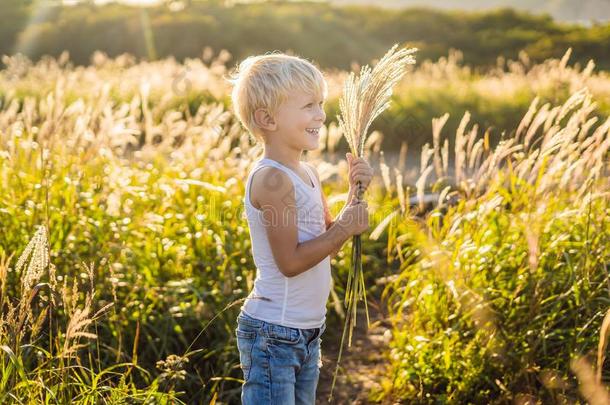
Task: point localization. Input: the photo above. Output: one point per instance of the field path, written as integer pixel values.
(362, 364)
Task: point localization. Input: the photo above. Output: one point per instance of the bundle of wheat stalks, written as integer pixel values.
(365, 97)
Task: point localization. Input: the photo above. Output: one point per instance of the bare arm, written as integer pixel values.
(273, 190)
(360, 174)
(329, 221)
(328, 218)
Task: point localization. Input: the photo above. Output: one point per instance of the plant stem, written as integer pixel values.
(354, 291)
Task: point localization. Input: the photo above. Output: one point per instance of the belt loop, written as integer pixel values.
(316, 332)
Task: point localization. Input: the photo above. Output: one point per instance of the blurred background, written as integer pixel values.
(475, 42)
(122, 174)
(334, 33)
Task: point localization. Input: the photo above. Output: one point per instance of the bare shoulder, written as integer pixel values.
(271, 186)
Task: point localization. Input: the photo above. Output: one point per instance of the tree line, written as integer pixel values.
(335, 37)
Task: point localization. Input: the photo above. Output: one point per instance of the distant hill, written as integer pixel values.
(331, 35)
(582, 11)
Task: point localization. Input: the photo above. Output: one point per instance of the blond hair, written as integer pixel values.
(264, 81)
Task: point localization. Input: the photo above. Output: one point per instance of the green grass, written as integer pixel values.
(140, 191)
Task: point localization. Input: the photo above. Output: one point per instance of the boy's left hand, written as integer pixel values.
(359, 171)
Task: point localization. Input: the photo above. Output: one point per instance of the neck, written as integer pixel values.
(284, 154)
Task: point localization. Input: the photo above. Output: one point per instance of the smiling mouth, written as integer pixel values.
(313, 131)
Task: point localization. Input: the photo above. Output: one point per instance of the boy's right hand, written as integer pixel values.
(354, 219)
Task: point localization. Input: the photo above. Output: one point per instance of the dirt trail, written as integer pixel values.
(362, 364)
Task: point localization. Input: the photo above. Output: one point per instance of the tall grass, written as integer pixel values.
(49, 348)
(127, 178)
(500, 293)
(497, 99)
(365, 97)
(161, 229)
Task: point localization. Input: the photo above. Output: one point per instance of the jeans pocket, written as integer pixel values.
(246, 329)
(245, 345)
(283, 334)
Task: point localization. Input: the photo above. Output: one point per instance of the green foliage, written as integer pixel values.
(506, 324)
(497, 294)
(140, 185)
(332, 36)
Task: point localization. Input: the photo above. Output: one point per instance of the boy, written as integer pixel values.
(279, 99)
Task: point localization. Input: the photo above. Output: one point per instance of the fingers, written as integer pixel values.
(359, 162)
(364, 177)
(355, 217)
(361, 170)
(354, 162)
(359, 166)
(364, 180)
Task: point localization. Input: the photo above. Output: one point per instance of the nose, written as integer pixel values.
(321, 116)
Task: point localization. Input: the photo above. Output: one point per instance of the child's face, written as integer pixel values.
(299, 119)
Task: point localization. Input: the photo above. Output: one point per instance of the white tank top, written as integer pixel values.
(299, 301)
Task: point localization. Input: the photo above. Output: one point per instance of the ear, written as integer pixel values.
(264, 120)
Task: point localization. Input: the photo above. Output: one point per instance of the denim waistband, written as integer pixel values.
(248, 320)
(257, 323)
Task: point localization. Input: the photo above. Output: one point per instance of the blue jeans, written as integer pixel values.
(281, 365)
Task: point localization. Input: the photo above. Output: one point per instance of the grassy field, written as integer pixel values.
(124, 249)
(496, 100)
